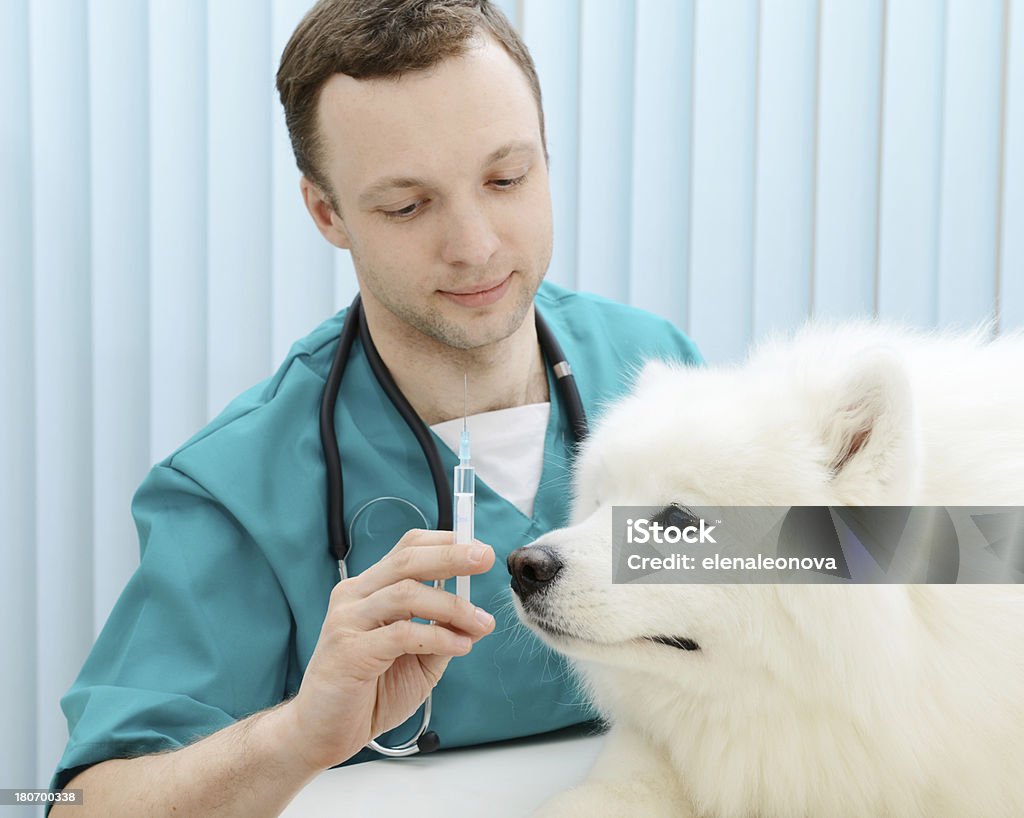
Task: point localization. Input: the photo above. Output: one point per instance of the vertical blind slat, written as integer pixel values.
(722, 204)
(848, 142)
(1011, 279)
(119, 94)
(17, 422)
(551, 31)
(911, 145)
(178, 234)
(785, 164)
(606, 108)
(661, 158)
(239, 116)
(59, 71)
(970, 162)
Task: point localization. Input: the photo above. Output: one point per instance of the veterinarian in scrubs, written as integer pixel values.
(437, 183)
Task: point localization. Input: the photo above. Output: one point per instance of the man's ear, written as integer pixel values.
(325, 217)
(869, 431)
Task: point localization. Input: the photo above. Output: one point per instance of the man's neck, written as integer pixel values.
(430, 373)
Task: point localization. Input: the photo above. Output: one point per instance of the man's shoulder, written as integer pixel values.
(591, 319)
(555, 296)
(283, 397)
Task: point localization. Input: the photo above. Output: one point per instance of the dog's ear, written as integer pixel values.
(869, 431)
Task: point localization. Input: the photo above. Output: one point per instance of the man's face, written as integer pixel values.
(442, 192)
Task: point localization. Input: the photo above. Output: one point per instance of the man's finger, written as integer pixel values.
(399, 638)
(424, 563)
(408, 598)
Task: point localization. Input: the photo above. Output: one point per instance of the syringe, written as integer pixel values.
(465, 494)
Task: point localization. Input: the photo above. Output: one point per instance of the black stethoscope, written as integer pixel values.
(355, 324)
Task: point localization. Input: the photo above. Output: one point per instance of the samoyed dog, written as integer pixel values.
(797, 701)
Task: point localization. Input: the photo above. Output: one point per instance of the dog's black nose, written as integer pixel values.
(532, 568)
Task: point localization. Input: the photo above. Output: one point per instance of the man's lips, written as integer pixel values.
(485, 296)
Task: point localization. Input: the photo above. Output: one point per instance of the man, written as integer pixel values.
(418, 129)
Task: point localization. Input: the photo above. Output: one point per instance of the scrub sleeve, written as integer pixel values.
(198, 638)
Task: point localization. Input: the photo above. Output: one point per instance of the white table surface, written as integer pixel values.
(503, 780)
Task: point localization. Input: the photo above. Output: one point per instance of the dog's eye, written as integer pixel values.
(675, 515)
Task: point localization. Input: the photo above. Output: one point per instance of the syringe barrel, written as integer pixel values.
(462, 505)
(465, 481)
(463, 514)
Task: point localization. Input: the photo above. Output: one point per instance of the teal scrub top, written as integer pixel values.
(221, 617)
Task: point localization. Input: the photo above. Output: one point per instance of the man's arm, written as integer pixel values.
(247, 769)
(370, 670)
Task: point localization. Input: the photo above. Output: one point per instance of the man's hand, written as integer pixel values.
(372, 667)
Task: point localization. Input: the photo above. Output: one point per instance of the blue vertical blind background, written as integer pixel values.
(735, 166)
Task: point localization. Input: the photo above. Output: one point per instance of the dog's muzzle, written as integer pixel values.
(533, 568)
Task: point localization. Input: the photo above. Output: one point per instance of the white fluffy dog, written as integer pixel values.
(798, 701)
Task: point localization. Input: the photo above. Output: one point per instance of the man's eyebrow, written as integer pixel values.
(400, 182)
(511, 147)
(389, 183)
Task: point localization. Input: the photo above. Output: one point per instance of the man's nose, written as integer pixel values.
(470, 239)
(533, 568)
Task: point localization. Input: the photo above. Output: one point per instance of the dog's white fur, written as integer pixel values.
(803, 700)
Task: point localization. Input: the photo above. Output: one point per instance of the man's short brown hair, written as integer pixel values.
(368, 39)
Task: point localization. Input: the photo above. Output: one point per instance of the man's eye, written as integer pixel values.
(403, 212)
(505, 184)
